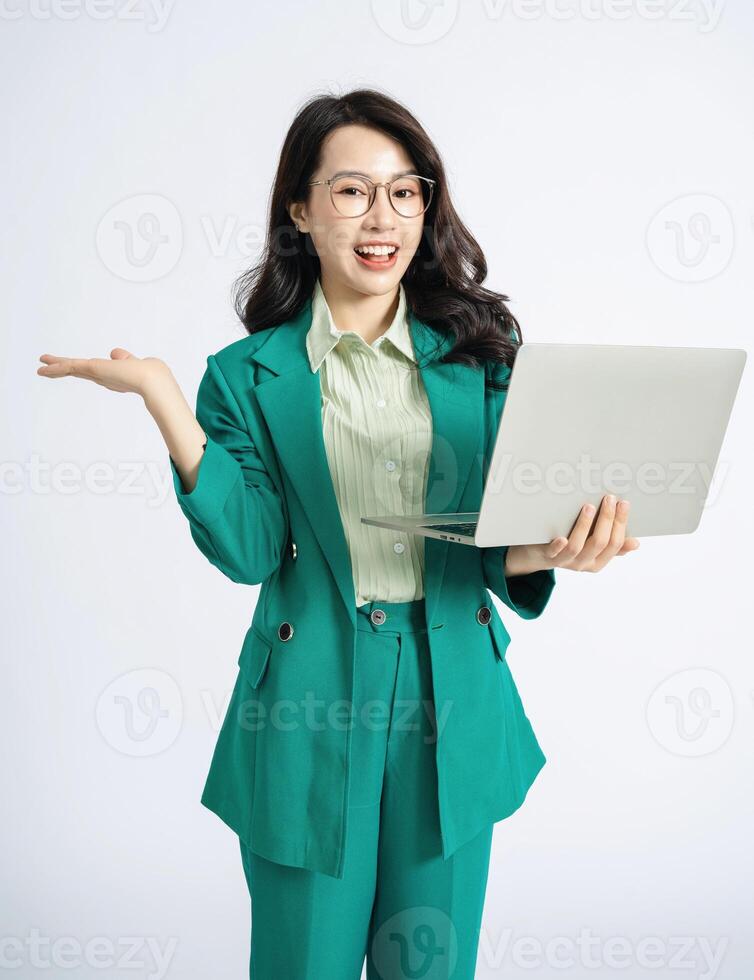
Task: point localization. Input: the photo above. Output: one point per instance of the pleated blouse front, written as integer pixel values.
(377, 429)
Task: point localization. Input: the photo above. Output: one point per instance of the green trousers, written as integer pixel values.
(411, 914)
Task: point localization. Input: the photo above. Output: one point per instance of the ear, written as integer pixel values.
(298, 214)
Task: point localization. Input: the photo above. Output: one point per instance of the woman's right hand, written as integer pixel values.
(123, 372)
(151, 378)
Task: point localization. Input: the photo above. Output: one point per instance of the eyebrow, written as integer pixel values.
(358, 173)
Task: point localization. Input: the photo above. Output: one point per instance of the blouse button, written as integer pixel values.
(399, 548)
(390, 465)
(381, 403)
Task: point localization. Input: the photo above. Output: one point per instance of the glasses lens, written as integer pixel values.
(350, 196)
(410, 196)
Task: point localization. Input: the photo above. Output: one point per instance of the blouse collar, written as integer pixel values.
(323, 335)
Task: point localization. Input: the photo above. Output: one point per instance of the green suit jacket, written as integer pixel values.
(264, 511)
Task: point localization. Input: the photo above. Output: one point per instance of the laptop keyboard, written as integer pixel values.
(467, 527)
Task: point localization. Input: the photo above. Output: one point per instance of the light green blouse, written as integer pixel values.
(377, 429)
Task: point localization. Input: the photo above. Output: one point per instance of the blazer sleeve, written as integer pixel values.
(526, 595)
(236, 515)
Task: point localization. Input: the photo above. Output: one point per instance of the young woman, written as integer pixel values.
(375, 733)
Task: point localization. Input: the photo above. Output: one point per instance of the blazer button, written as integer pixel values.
(285, 631)
(483, 615)
(294, 550)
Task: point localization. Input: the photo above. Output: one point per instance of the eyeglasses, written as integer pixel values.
(353, 195)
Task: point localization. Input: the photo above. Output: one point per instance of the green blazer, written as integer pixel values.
(264, 511)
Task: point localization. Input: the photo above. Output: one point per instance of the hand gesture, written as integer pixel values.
(122, 372)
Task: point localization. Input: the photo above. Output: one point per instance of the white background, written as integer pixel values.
(602, 153)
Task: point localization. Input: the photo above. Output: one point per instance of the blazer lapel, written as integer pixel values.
(291, 405)
(456, 399)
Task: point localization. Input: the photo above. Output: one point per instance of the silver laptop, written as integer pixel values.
(582, 420)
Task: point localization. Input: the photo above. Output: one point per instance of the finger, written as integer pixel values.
(578, 536)
(120, 354)
(618, 536)
(89, 368)
(617, 533)
(54, 366)
(50, 360)
(553, 549)
(629, 545)
(604, 536)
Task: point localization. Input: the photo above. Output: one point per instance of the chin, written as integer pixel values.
(375, 283)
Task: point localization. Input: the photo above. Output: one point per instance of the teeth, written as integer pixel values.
(375, 249)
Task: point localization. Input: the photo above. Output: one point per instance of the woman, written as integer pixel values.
(375, 734)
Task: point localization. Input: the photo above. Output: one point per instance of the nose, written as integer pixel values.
(381, 212)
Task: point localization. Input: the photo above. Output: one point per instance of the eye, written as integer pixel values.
(351, 187)
(406, 189)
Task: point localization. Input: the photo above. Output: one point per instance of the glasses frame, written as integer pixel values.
(373, 193)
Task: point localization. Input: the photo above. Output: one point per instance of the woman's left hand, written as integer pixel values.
(580, 551)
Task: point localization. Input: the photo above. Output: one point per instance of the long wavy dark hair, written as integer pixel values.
(443, 283)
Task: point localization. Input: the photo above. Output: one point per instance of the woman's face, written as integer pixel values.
(360, 149)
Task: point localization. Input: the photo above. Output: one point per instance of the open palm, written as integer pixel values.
(123, 371)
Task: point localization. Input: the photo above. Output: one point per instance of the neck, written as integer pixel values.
(369, 316)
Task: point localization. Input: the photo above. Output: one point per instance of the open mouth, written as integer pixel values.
(376, 256)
